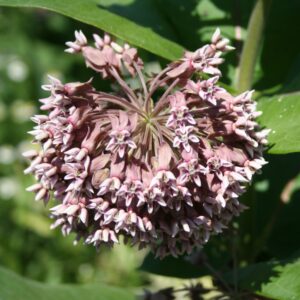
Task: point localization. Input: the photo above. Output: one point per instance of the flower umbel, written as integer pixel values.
(162, 165)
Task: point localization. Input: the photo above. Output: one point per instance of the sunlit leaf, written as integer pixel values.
(275, 280)
(281, 115)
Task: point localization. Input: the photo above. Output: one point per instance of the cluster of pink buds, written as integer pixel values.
(162, 165)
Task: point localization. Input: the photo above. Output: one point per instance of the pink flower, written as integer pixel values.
(164, 171)
(120, 134)
(180, 115)
(190, 169)
(184, 137)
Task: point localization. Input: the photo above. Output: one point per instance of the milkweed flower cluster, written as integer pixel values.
(162, 165)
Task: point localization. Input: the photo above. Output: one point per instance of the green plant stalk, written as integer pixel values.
(252, 44)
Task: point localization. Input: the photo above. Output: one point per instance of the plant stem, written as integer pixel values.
(252, 44)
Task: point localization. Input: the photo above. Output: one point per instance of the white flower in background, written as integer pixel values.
(7, 154)
(22, 110)
(17, 70)
(9, 187)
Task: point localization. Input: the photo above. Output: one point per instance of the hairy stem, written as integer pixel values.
(252, 44)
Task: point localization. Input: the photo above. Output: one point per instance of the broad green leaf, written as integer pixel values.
(281, 114)
(14, 287)
(275, 280)
(90, 12)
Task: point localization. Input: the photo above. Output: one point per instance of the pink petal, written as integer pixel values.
(100, 162)
(164, 156)
(179, 70)
(123, 119)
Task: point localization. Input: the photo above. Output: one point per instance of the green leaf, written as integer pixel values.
(281, 114)
(14, 287)
(90, 12)
(275, 280)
